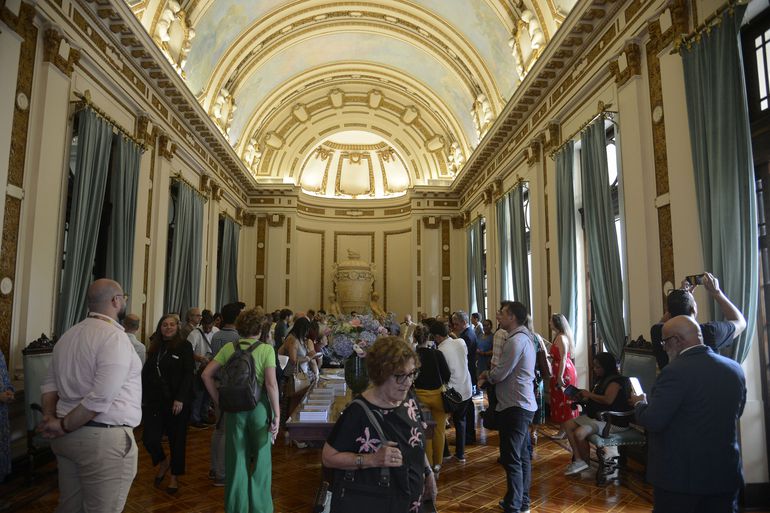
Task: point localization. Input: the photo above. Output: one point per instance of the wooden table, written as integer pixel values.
(316, 431)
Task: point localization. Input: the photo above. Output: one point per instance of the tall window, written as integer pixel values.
(594, 336)
(762, 58)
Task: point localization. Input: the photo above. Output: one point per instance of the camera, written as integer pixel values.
(695, 279)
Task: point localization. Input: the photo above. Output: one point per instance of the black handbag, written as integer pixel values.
(449, 396)
(489, 417)
(350, 495)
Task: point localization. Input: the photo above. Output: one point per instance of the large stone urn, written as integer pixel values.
(353, 279)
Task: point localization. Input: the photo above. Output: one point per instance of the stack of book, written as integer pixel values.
(317, 405)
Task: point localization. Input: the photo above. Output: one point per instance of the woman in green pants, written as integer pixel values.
(249, 434)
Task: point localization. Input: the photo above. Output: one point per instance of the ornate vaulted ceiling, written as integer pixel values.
(427, 78)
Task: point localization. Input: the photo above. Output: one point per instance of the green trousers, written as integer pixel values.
(248, 461)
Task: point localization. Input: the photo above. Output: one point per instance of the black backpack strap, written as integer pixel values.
(253, 346)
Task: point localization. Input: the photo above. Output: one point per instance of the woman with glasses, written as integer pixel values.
(355, 446)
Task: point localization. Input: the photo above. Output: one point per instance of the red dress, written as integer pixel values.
(560, 404)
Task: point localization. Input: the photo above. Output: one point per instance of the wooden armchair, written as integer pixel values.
(638, 362)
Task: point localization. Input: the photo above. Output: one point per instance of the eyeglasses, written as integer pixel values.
(665, 340)
(124, 296)
(401, 378)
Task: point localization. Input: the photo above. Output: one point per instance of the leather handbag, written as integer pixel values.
(298, 382)
(449, 396)
(350, 495)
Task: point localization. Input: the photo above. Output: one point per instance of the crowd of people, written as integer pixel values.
(102, 383)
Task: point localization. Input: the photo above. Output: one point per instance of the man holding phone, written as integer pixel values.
(716, 334)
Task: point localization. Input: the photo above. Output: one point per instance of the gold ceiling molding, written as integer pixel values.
(310, 90)
(385, 122)
(356, 147)
(461, 56)
(573, 47)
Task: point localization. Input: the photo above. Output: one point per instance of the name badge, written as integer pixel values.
(175, 357)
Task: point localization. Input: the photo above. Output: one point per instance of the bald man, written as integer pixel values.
(691, 418)
(92, 399)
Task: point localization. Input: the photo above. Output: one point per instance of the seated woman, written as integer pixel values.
(355, 445)
(610, 393)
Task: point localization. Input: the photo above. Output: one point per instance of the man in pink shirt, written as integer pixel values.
(91, 402)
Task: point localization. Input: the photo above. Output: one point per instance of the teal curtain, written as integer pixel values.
(183, 274)
(475, 269)
(565, 227)
(502, 212)
(227, 268)
(724, 174)
(603, 257)
(519, 245)
(92, 156)
(124, 179)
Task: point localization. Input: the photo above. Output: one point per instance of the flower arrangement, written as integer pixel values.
(354, 334)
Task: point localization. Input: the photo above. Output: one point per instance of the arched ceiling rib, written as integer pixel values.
(271, 72)
(353, 78)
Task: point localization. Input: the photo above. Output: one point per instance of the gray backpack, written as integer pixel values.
(239, 390)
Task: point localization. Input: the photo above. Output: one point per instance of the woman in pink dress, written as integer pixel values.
(562, 371)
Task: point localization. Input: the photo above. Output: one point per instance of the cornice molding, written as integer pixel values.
(53, 46)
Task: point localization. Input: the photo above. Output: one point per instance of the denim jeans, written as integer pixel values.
(515, 456)
(458, 419)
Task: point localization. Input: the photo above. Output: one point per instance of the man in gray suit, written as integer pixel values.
(691, 418)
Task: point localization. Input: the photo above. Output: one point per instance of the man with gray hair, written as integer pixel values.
(464, 330)
(131, 325)
(193, 320)
(92, 400)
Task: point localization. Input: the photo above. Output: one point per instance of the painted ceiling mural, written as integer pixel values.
(461, 60)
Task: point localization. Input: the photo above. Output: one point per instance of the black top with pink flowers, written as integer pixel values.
(403, 424)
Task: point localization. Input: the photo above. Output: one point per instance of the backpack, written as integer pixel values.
(239, 390)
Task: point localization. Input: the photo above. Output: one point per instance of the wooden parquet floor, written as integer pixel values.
(475, 486)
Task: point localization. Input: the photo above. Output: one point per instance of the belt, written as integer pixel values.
(93, 423)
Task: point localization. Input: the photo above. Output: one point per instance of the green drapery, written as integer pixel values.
(227, 265)
(603, 257)
(519, 245)
(565, 227)
(124, 179)
(183, 274)
(724, 174)
(475, 269)
(503, 218)
(94, 138)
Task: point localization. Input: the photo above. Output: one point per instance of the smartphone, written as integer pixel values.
(636, 387)
(571, 391)
(695, 279)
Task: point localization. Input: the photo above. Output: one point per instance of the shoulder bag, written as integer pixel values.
(350, 495)
(449, 396)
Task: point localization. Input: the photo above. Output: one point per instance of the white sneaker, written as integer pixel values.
(575, 467)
